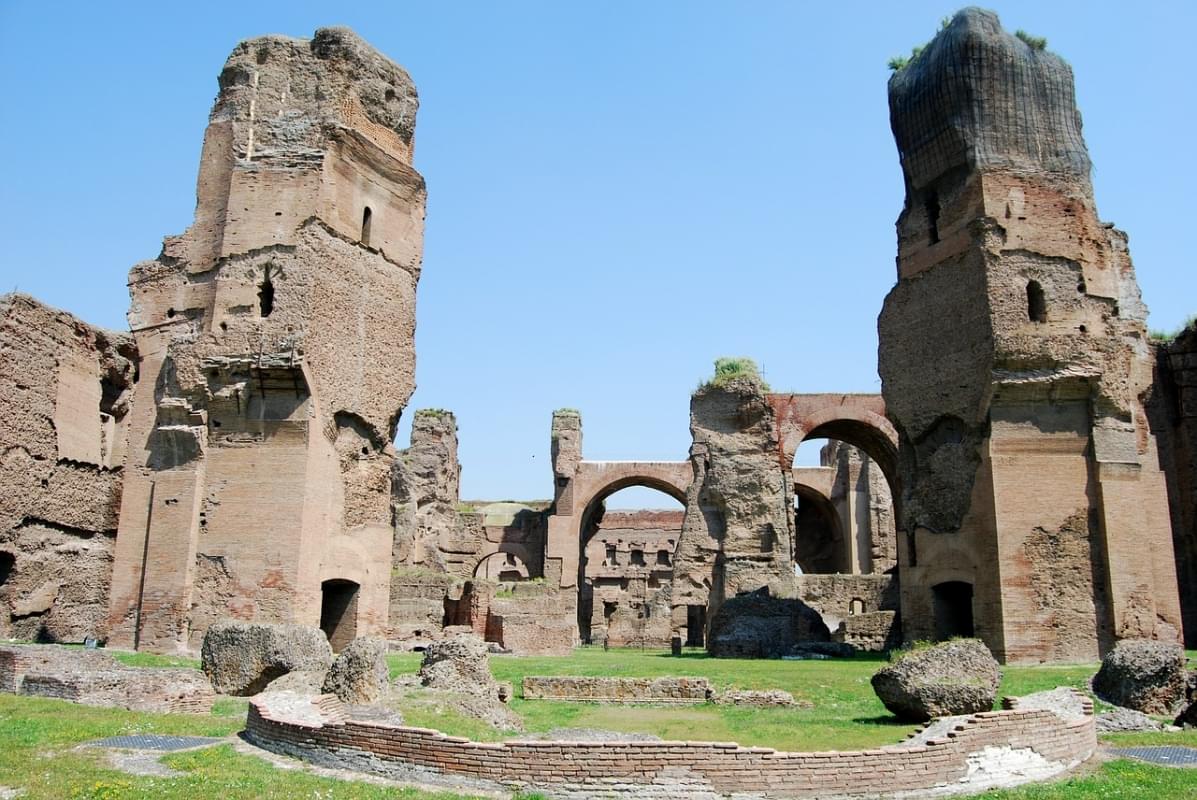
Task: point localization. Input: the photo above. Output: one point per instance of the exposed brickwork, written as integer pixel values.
(65, 389)
(564, 769)
(96, 679)
(618, 690)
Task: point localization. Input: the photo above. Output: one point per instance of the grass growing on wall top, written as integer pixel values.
(728, 369)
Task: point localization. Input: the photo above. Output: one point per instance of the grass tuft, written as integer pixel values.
(728, 369)
(1034, 42)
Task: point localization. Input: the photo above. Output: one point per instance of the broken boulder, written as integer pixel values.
(955, 677)
(459, 664)
(1144, 675)
(359, 674)
(242, 658)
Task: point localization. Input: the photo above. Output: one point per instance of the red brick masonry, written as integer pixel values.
(569, 768)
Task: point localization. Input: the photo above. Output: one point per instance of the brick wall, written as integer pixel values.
(618, 690)
(664, 769)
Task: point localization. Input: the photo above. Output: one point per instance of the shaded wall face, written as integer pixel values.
(65, 391)
(277, 341)
(1014, 346)
(1173, 412)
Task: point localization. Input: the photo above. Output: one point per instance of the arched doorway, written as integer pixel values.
(338, 612)
(628, 536)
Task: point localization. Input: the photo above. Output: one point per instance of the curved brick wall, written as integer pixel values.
(985, 749)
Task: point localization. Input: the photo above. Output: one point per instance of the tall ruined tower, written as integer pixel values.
(1014, 363)
(276, 342)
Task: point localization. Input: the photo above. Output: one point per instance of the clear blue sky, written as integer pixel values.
(619, 192)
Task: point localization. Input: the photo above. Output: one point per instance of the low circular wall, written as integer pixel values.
(992, 748)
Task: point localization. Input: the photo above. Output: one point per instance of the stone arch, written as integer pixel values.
(868, 430)
(668, 478)
(504, 565)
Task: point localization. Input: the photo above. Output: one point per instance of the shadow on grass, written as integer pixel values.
(883, 719)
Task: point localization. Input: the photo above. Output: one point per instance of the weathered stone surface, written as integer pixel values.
(1122, 720)
(278, 343)
(242, 658)
(771, 698)
(739, 524)
(459, 664)
(618, 690)
(456, 673)
(757, 625)
(427, 477)
(65, 389)
(302, 682)
(1014, 344)
(359, 674)
(956, 677)
(1143, 675)
(94, 678)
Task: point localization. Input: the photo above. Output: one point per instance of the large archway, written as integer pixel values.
(625, 564)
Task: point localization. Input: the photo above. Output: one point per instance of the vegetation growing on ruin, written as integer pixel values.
(1158, 335)
(901, 62)
(567, 412)
(1034, 42)
(728, 369)
(434, 412)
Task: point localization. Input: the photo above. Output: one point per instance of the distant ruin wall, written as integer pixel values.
(65, 391)
(618, 690)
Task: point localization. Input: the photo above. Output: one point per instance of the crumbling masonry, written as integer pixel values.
(232, 456)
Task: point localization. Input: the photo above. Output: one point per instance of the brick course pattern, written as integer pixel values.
(655, 769)
(618, 690)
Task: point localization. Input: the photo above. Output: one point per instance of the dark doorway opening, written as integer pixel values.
(696, 625)
(338, 612)
(7, 562)
(953, 604)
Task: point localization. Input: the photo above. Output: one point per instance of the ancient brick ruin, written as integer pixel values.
(1014, 346)
(232, 456)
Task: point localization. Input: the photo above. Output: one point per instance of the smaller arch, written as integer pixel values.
(367, 219)
(338, 611)
(502, 566)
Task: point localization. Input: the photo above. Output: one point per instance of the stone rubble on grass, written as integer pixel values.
(243, 658)
(1143, 675)
(955, 677)
(359, 674)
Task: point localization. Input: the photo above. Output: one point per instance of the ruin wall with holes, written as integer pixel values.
(1015, 364)
(65, 391)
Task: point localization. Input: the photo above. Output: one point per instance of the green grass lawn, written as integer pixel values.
(39, 738)
(846, 714)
